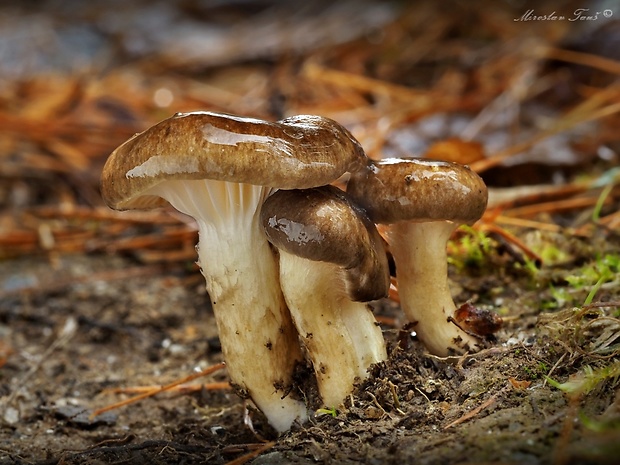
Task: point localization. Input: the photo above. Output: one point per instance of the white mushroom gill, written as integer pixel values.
(419, 251)
(258, 340)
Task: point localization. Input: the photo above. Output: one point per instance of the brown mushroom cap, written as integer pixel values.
(393, 190)
(297, 152)
(321, 224)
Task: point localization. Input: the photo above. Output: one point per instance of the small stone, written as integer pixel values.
(11, 415)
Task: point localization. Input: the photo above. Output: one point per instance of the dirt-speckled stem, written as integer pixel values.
(342, 336)
(259, 342)
(419, 250)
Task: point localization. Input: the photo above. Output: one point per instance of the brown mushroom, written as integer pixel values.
(423, 201)
(219, 169)
(331, 260)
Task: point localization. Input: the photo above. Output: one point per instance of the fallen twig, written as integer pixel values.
(152, 392)
(250, 455)
(471, 414)
(182, 388)
(588, 110)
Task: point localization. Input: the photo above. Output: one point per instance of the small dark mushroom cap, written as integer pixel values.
(406, 189)
(297, 152)
(321, 224)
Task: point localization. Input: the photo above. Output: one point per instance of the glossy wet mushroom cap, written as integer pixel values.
(392, 190)
(321, 224)
(297, 152)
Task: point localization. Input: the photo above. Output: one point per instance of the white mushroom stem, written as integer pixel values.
(419, 251)
(258, 339)
(342, 337)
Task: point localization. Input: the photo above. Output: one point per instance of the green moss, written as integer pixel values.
(537, 371)
(588, 379)
(471, 249)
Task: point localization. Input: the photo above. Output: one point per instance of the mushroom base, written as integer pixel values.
(419, 251)
(341, 336)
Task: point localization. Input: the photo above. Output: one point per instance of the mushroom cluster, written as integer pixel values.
(289, 261)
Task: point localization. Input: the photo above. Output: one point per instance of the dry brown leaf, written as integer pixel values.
(456, 150)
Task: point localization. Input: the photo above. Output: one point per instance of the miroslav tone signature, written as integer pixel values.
(580, 14)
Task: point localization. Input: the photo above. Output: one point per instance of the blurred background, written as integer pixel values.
(526, 93)
(78, 78)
